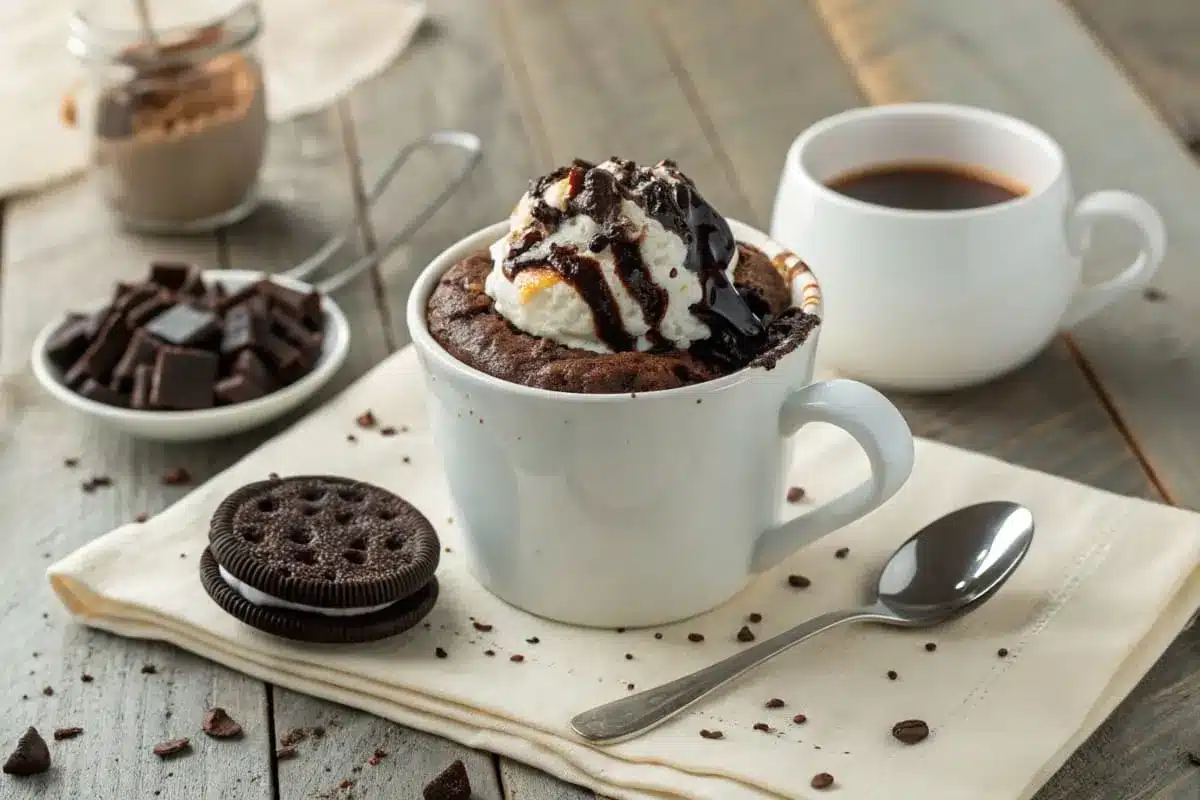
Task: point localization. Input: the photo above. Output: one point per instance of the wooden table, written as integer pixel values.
(722, 88)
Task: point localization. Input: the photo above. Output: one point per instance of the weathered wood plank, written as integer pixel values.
(60, 251)
(388, 111)
(523, 782)
(1015, 56)
(1156, 44)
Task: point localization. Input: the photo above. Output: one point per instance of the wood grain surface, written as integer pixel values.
(723, 92)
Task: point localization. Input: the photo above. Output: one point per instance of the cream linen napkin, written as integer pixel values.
(1109, 582)
(313, 51)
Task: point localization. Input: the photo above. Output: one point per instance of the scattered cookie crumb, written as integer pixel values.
(658, 636)
(1002, 652)
(762, 726)
(66, 733)
(822, 780)
(350, 437)
(629, 686)
(48, 691)
(176, 477)
(482, 627)
(149, 669)
(707, 734)
(516, 658)
(141, 517)
(892, 674)
(745, 635)
(930, 647)
(440, 653)
(533, 640)
(219, 725)
(695, 637)
(379, 755)
(800, 719)
(365, 419)
(388, 431)
(775, 702)
(285, 753)
(489, 652)
(798, 582)
(841, 552)
(1154, 295)
(86, 678)
(71, 463)
(293, 737)
(755, 618)
(795, 494)
(172, 747)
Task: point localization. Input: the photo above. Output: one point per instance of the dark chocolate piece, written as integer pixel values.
(94, 390)
(237, 298)
(142, 377)
(69, 342)
(147, 309)
(141, 350)
(170, 275)
(105, 350)
(183, 379)
(133, 296)
(194, 285)
(304, 306)
(215, 296)
(219, 725)
(238, 389)
(243, 329)
(249, 365)
(287, 362)
(185, 326)
(452, 783)
(306, 341)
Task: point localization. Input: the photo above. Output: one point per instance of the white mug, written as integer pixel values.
(634, 510)
(935, 300)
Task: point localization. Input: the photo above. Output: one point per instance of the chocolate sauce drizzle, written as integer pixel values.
(737, 331)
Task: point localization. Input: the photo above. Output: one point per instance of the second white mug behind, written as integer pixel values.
(930, 300)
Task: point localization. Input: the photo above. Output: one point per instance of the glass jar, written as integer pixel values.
(176, 114)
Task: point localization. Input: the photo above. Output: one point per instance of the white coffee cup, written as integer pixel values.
(934, 300)
(630, 510)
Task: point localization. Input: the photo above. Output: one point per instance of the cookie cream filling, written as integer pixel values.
(260, 598)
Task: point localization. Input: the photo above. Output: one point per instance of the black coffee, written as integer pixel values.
(927, 187)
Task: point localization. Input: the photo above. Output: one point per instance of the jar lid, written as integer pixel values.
(111, 32)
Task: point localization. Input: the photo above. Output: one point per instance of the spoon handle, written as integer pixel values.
(640, 712)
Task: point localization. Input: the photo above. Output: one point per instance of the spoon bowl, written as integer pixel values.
(949, 567)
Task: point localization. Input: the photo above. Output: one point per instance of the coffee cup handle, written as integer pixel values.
(1114, 205)
(880, 431)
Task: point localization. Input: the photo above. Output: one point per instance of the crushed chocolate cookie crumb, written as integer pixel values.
(440, 653)
(452, 783)
(1002, 652)
(176, 477)
(149, 669)
(489, 652)
(892, 674)
(795, 494)
(86, 678)
(71, 463)
(798, 582)
(66, 733)
(172, 747)
(388, 431)
(406, 460)
(350, 437)
(31, 756)
(841, 552)
(516, 658)
(755, 618)
(532, 640)
(482, 627)
(658, 636)
(48, 691)
(775, 702)
(762, 726)
(800, 719)
(365, 419)
(695, 637)
(293, 737)
(285, 753)
(930, 647)
(379, 755)
(141, 517)
(629, 686)
(620, 630)
(911, 731)
(707, 734)
(219, 725)
(822, 780)
(346, 784)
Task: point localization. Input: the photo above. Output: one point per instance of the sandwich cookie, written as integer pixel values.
(321, 559)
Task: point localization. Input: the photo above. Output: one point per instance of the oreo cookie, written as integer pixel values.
(321, 559)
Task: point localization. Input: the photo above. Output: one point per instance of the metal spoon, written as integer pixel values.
(944, 570)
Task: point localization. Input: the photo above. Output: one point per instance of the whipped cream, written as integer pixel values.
(614, 257)
(260, 598)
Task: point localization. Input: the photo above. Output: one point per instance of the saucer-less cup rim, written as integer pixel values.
(858, 409)
(799, 155)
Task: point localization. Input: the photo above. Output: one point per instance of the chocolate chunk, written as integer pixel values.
(841, 552)
(105, 350)
(219, 725)
(147, 310)
(215, 296)
(142, 349)
(304, 340)
(695, 637)
(440, 652)
(798, 582)
(183, 379)
(66, 733)
(762, 726)
(892, 674)
(69, 342)
(31, 757)
(243, 329)
(930, 647)
(303, 306)
(452, 783)
(745, 635)
(775, 702)
(800, 719)
(185, 326)
(516, 658)
(172, 747)
(911, 731)
(170, 275)
(131, 297)
(237, 389)
(286, 361)
(237, 298)
(822, 780)
(142, 376)
(707, 734)
(795, 494)
(93, 390)
(249, 365)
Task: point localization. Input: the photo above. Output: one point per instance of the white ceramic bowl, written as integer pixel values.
(208, 423)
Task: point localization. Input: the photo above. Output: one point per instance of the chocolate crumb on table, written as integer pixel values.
(516, 658)
(532, 640)
(482, 627)
(822, 780)
(61, 734)
(800, 719)
(285, 753)
(31, 756)
(620, 630)
(489, 652)
(365, 419)
(775, 702)
(629, 686)
(440, 652)
(762, 726)
(1002, 652)
(696, 637)
(707, 734)
(755, 618)
(177, 476)
(141, 517)
(745, 635)
(892, 674)
(345, 784)
(841, 552)
(149, 669)
(658, 636)
(388, 431)
(1153, 294)
(70, 463)
(452, 783)
(406, 460)
(629, 656)
(48, 691)
(293, 737)
(172, 747)
(795, 494)
(219, 725)
(376, 757)
(930, 647)
(798, 582)
(350, 437)
(911, 731)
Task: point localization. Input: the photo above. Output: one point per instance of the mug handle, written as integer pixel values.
(1108, 205)
(880, 431)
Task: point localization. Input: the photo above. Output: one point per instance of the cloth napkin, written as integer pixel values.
(313, 51)
(1107, 585)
